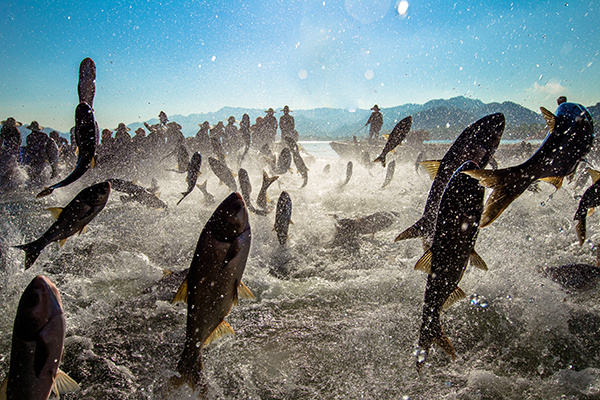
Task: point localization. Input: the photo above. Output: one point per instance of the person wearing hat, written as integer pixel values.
(287, 125)
(174, 135)
(231, 140)
(10, 138)
(122, 133)
(376, 122)
(37, 141)
(270, 127)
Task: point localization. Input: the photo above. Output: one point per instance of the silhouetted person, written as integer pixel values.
(376, 122)
(10, 138)
(287, 125)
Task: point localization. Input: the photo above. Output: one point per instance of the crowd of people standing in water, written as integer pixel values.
(119, 152)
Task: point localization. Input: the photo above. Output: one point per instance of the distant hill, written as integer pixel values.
(443, 118)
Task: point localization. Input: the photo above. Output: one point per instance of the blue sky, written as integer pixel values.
(198, 56)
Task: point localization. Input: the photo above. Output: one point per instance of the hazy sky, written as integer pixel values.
(197, 56)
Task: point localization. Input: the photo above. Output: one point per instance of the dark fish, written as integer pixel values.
(300, 166)
(389, 174)
(86, 88)
(575, 276)
(569, 140)
(327, 168)
(137, 193)
(589, 200)
(396, 137)
(348, 173)
(69, 220)
(477, 143)
(245, 186)
(86, 131)
(193, 170)
(208, 198)
(283, 161)
(370, 224)
(213, 284)
(37, 345)
(262, 199)
(223, 173)
(218, 148)
(283, 215)
(453, 245)
(291, 144)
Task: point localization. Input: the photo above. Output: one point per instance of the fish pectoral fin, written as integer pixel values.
(93, 162)
(549, 117)
(556, 181)
(458, 294)
(167, 272)
(83, 230)
(590, 211)
(55, 212)
(432, 167)
(489, 178)
(62, 242)
(182, 293)
(63, 384)
(221, 330)
(77, 151)
(386, 136)
(477, 261)
(424, 263)
(245, 293)
(412, 232)
(445, 345)
(594, 174)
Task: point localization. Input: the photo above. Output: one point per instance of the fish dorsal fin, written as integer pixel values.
(477, 261)
(556, 181)
(182, 293)
(55, 212)
(3, 388)
(594, 174)
(424, 263)
(590, 211)
(62, 242)
(245, 293)
(77, 151)
(386, 136)
(549, 117)
(63, 383)
(453, 298)
(93, 162)
(432, 167)
(221, 330)
(412, 232)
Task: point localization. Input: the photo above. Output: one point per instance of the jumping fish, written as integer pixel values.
(69, 220)
(37, 346)
(389, 173)
(349, 168)
(245, 186)
(477, 143)
(86, 88)
(262, 199)
(283, 215)
(396, 137)
(223, 173)
(570, 138)
(147, 197)
(452, 247)
(283, 162)
(86, 132)
(183, 159)
(213, 284)
(300, 166)
(589, 200)
(193, 170)
(208, 198)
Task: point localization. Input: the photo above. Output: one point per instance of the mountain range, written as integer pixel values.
(443, 119)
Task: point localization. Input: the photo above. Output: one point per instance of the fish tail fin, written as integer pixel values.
(581, 229)
(268, 181)
(414, 231)
(203, 186)
(381, 159)
(507, 187)
(32, 251)
(45, 192)
(432, 333)
(194, 379)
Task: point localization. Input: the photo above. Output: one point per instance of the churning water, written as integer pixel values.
(330, 320)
